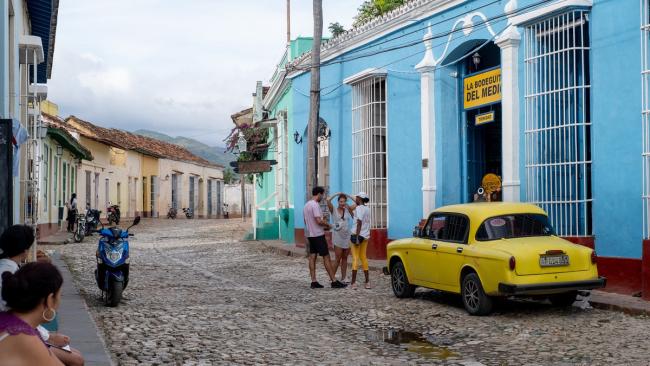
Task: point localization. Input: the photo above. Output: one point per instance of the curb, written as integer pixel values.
(595, 303)
(619, 308)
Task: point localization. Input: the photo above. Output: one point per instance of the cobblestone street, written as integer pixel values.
(197, 296)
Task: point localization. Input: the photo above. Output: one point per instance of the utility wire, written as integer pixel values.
(417, 42)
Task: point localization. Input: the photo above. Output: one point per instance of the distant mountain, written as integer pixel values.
(214, 154)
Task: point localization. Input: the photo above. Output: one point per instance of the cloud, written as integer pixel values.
(104, 82)
(181, 68)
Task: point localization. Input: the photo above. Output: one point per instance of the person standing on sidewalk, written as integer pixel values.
(360, 237)
(72, 212)
(315, 226)
(340, 232)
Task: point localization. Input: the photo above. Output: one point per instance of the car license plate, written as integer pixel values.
(554, 260)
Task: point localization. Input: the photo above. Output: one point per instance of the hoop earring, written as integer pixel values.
(50, 318)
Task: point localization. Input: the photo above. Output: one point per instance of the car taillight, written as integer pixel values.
(594, 257)
(512, 263)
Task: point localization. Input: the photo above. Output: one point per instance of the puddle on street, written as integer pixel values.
(412, 342)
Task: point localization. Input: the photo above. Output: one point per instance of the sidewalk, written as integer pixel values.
(75, 321)
(599, 299)
(58, 238)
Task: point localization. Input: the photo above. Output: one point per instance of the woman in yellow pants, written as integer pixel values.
(359, 238)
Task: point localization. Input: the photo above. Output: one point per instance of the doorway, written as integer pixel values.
(482, 121)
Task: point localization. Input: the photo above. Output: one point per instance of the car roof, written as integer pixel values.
(479, 211)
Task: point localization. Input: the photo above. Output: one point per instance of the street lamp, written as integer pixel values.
(59, 150)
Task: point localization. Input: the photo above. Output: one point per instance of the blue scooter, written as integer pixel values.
(112, 273)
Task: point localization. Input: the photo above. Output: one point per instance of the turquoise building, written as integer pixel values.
(274, 198)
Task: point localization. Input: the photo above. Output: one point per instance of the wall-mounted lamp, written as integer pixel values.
(241, 144)
(167, 177)
(42, 132)
(59, 150)
(297, 138)
(476, 59)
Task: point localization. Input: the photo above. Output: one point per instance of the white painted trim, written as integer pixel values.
(401, 17)
(549, 9)
(367, 73)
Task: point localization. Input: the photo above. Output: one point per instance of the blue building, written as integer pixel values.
(534, 100)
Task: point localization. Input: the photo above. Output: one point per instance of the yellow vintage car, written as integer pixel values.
(487, 250)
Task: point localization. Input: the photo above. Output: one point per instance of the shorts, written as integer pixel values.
(318, 245)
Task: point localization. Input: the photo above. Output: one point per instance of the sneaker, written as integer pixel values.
(368, 285)
(338, 284)
(317, 285)
(353, 286)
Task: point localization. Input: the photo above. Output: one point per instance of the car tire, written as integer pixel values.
(564, 299)
(399, 281)
(475, 300)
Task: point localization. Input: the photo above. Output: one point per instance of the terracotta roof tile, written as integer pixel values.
(142, 144)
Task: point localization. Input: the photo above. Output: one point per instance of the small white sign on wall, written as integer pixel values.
(323, 147)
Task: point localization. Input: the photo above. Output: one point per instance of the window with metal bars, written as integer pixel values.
(558, 121)
(369, 145)
(645, 112)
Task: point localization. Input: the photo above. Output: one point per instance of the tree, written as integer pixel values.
(336, 29)
(371, 9)
(228, 176)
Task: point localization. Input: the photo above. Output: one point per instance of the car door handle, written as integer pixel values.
(434, 246)
(459, 250)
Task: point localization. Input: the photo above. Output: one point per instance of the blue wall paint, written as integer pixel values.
(616, 141)
(404, 149)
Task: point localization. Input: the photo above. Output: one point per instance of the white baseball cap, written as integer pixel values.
(362, 195)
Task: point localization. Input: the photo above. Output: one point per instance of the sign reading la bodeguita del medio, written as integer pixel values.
(482, 89)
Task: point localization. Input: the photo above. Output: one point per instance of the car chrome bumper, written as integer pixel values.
(510, 289)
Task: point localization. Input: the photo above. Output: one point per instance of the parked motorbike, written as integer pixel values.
(189, 213)
(92, 220)
(112, 273)
(113, 213)
(171, 214)
(80, 230)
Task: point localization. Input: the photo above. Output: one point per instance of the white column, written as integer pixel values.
(427, 67)
(509, 43)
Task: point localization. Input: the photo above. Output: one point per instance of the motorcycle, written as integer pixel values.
(189, 213)
(92, 220)
(112, 273)
(113, 213)
(171, 214)
(80, 230)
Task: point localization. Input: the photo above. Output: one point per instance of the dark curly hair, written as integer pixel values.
(30, 286)
(15, 240)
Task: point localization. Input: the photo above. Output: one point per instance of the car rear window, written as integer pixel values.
(514, 226)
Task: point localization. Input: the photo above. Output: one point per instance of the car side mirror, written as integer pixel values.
(417, 232)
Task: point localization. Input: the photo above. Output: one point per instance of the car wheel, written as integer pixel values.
(400, 282)
(564, 299)
(475, 300)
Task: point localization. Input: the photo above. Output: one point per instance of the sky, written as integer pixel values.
(176, 67)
